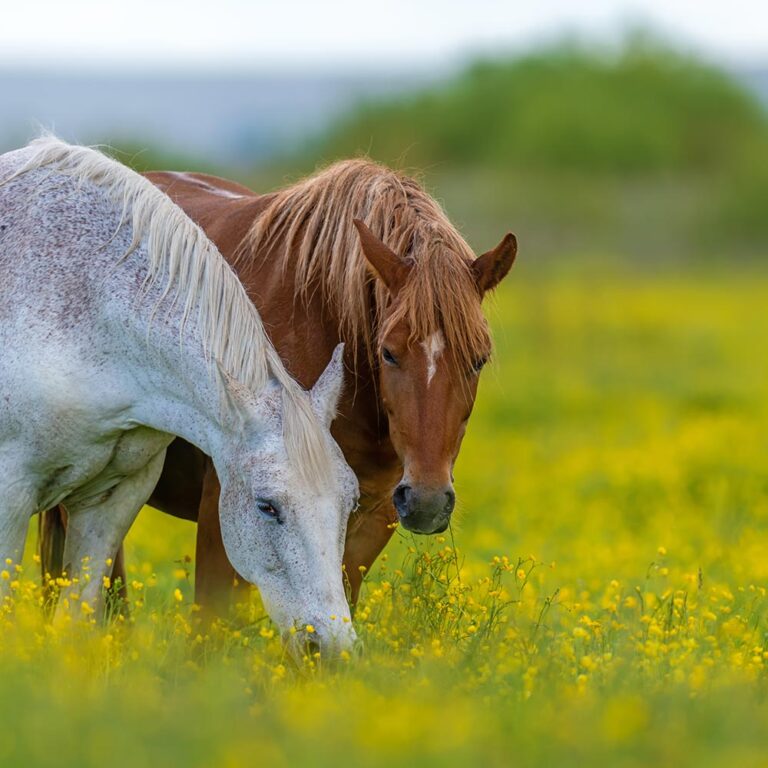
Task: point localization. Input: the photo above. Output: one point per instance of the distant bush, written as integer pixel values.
(643, 108)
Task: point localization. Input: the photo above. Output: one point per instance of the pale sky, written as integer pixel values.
(332, 33)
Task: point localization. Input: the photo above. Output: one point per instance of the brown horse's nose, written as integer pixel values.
(424, 510)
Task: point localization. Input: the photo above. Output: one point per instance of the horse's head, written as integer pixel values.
(284, 529)
(432, 344)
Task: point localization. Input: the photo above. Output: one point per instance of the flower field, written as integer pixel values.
(601, 598)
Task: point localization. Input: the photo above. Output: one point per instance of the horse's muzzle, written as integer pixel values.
(327, 639)
(424, 510)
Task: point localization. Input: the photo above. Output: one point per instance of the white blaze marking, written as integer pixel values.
(433, 348)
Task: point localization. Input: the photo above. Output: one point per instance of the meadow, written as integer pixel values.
(601, 597)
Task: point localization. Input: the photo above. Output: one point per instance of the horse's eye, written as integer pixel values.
(477, 366)
(389, 358)
(269, 510)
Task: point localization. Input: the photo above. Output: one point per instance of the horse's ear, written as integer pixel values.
(327, 390)
(391, 268)
(492, 267)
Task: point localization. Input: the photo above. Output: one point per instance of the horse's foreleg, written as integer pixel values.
(94, 534)
(367, 535)
(16, 507)
(214, 574)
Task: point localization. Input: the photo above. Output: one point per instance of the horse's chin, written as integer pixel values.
(426, 531)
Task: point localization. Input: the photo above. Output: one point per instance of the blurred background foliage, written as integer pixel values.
(636, 150)
(570, 108)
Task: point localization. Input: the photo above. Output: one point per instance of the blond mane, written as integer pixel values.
(197, 277)
(310, 225)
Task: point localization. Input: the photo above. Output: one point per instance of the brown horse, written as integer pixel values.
(361, 254)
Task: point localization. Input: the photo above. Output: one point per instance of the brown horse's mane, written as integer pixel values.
(309, 226)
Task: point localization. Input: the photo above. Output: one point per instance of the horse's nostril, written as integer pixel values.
(450, 501)
(400, 498)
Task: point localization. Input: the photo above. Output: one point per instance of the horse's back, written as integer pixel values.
(225, 209)
(174, 182)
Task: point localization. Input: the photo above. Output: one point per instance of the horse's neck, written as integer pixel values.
(177, 390)
(180, 398)
(173, 384)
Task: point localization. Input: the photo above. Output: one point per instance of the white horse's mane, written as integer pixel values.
(197, 276)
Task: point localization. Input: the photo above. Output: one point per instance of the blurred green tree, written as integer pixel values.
(642, 108)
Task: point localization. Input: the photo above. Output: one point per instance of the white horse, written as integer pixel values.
(121, 326)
